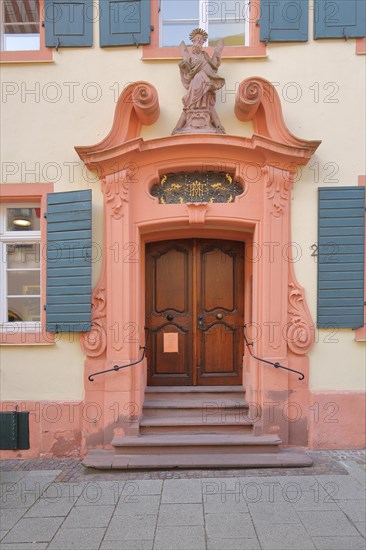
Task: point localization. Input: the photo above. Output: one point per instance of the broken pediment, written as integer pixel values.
(257, 100)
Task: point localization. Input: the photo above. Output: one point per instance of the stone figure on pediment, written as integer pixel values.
(198, 71)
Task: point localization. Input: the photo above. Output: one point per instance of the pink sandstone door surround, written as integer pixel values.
(275, 309)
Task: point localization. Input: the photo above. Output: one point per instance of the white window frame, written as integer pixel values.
(13, 237)
(3, 33)
(203, 20)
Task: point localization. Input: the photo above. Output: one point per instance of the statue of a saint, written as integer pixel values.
(199, 76)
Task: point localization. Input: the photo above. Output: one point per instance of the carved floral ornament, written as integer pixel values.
(94, 343)
(278, 185)
(115, 189)
(300, 331)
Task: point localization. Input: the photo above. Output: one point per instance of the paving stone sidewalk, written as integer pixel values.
(61, 505)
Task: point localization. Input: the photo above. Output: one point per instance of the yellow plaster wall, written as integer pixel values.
(40, 131)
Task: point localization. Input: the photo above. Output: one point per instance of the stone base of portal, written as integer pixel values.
(196, 427)
(283, 458)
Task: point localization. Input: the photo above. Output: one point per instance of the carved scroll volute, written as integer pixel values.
(300, 329)
(115, 189)
(278, 184)
(248, 99)
(94, 343)
(146, 103)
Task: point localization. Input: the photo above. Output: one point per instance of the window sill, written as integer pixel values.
(151, 53)
(361, 46)
(360, 334)
(23, 338)
(16, 334)
(44, 55)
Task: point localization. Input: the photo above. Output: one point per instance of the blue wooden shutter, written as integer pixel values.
(339, 18)
(284, 20)
(124, 23)
(341, 248)
(68, 23)
(69, 233)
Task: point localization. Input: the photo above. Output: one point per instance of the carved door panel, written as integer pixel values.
(169, 313)
(220, 312)
(194, 312)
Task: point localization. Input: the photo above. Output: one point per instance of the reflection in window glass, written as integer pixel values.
(20, 21)
(174, 33)
(224, 20)
(23, 309)
(23, 282)
(180, 9)
(231, 33)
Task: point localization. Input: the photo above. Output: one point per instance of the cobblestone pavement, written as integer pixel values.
(60, 505)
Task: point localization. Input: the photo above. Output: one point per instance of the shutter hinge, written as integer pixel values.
(344, 34)
(152, 28)
(42, 24)
(45, 307)
(258, 21)
(136, 41)
(45, 215)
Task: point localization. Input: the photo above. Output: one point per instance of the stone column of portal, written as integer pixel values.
(121, 412)
(272, 345)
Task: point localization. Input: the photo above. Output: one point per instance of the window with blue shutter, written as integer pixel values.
(124, 23)
(68, 23)
(68, 286)
(339, 18)
(341, 249)
(284, 20)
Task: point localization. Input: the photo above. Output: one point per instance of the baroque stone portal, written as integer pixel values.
(198, 72)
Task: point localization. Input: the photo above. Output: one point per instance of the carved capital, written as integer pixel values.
(115, 189)
(278, 184)
(300, 330)
(94, 343)
(197, 212)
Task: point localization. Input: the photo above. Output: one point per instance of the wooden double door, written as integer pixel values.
(195, 312)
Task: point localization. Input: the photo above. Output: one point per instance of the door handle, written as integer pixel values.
(200, 322)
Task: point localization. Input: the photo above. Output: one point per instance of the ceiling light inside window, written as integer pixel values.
(22, 222)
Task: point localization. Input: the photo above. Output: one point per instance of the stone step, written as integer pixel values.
(223, 410)
(215, 394)
(195, 444)
(180, 425)
(284, 458)
(192, 390)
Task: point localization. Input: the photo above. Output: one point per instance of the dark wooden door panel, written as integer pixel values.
(220, 311)
(195, 312)
(169, 312)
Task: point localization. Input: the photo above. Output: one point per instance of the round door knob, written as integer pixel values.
(219, 316)
(170, 317)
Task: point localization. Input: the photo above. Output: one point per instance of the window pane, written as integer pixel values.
(24, 309)
(20, 25)
(174, 33)
(180, 9)
(23, 256)
(231, 33)
(23, 283)
(23, 219)
(21, 42)
(20, 256)
(223, 11)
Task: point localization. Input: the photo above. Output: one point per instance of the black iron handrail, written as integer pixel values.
(275, 365)
(119, 367)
